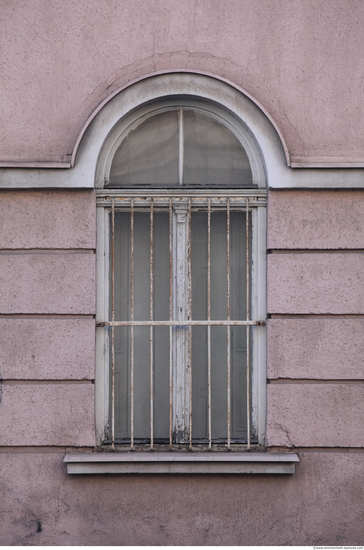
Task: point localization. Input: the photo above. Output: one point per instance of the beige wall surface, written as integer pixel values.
(302, 60)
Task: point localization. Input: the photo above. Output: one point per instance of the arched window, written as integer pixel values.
(181, 227)
(180, 147)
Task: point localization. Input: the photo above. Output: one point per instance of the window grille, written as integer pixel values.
(180, 273)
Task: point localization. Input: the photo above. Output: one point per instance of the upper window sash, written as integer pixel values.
(180, 147)
(182, 141)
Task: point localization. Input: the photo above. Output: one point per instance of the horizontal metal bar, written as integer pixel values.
(179, 323)
(236, 201)
(176, 193)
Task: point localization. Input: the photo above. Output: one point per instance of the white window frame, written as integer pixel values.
(258, 259)
(135, 118)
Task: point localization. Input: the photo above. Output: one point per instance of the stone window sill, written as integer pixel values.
(180, 463)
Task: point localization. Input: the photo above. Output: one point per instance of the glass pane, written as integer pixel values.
(149, 153)
(218, 334)
(141, 334)
(212, 153)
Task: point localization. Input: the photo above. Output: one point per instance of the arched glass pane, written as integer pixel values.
(180, 147)
(212, 153)
(148, 154)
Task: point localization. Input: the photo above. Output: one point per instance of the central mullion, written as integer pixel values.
(181, 367)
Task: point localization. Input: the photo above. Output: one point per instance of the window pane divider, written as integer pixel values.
(190, 317)
(228, 318)
(132, 326)
(170, 243)
(209, 315)
(247, 328)
(151, 325)
(112, 326)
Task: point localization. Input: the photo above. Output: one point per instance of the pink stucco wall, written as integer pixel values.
(50, 220)
(320, 505)
(319, 220)
(316, 348)
(301, 60)
(314, 396)
(47, 349)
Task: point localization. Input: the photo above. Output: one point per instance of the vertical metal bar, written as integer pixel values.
(113, 328)
(151, 326)
(181, 148)
(247, 328)
(170, 330)
(209, 315)
(190, 314)
(228, 318)
(132, 327)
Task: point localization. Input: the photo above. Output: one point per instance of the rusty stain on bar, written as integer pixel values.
(209, 315)
(151, 326)
(170, 330)
(113, 327)
(228, 317)
(132, 327)
(247, 328)
(190, 315)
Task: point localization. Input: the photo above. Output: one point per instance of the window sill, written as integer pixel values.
(180, 463)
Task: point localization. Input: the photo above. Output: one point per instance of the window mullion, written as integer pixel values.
(181, 370)
(180, 146)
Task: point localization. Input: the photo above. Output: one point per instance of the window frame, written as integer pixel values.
(136, 117)
(258, 259)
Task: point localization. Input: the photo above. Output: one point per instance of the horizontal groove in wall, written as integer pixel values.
(316, 189)
(316, 316)
(22, 382)
(46, 449)
(30, 164)
(311, 188)
(49, 251)
(46, 316)
(342, 450)
(315, 251)
(313, 381)
(61, 450)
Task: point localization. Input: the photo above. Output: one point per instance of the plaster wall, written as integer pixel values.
(47, 363)
(320, 505)
(302, 61)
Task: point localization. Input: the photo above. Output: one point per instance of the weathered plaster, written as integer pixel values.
(322, 504)
(316, 283)
(47, 283)
(210, 90)
(316, 219)
(301, 61)
(47, 414)
(316, 348)
(315, 415)
(47, 219)
(47, 349)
